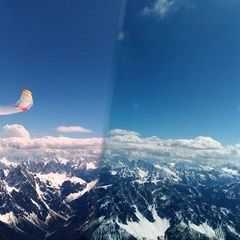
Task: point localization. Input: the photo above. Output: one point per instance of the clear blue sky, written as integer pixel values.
(178, 71)
(62, 51)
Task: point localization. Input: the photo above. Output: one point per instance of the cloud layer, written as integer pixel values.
(16, 144)
(73, 129)
(131, 145)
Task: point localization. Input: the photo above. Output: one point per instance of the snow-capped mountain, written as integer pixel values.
(118, 199)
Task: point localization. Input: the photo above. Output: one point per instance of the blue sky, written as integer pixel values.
(62, 51)
(177, 70)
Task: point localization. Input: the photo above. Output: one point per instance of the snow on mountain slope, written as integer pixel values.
(8, 218)
(57, 179)
(144, 229)
(74, 196)
(203, 228)
(127, 200)
(230, 171)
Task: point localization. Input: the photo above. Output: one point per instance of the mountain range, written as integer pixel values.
(118, 199)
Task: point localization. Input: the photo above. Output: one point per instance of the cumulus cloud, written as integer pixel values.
(16, 144)
(73, 129)
(131, 145)
(161, 8)
(15, 130)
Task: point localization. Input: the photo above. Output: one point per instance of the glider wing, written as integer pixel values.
(23, 104)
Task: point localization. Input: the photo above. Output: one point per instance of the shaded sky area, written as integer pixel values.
(62, 51)
(177, 72)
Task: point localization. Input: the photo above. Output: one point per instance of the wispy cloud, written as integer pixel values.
(73, 129)
(161, 8)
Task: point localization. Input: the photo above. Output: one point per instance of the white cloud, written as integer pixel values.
(161, 8)
(16, 144)
(73, 129)
(131, 145)
(123, 132)
(15, 130)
